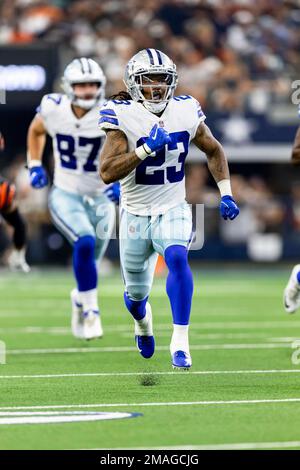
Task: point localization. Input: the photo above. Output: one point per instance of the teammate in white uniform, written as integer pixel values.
(80, 203)
(148, 136)
(291, 295)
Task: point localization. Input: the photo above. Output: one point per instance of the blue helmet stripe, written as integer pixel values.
(150, 56)
(81, 65)
(159, 57)
(89, 66)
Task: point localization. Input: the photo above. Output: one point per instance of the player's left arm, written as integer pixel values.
(296, 149)
(218, 167)
(217, 162)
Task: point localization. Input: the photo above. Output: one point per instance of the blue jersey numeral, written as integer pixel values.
(182, 97)
(95, 143)
(55, 98)
(127, 102)
(66, 149)
(143, 174)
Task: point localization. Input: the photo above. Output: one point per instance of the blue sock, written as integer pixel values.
(136, 307)
(298, 277)
(84, 263)
(179, 283)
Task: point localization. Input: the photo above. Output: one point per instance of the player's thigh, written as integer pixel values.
(172, 228)
(102, 215)
(69, 215)
(137, 256)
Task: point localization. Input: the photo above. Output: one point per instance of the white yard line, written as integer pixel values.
(172, 403)
(162, 326)
(110, 349)
(235, 446)
(224, 289)
(218, 325)
(65, 331)
(132, 374)
(264, 336)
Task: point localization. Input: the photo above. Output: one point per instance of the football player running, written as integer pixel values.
(10, 213)
(291, 295)
(80, 204)
(148, 133)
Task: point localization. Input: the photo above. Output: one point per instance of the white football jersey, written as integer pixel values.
(76, 145)
(158, 182)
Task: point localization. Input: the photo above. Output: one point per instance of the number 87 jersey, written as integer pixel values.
(76, 145)
(158, 182)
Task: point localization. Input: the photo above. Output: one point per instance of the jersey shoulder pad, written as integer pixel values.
(111, 113)
(49, 104)
(191, 107)
(197, 109)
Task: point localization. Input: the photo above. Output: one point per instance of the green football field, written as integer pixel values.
(242, 392)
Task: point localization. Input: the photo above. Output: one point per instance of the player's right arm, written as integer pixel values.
(115, 160)
(296, 149)
(36, 139)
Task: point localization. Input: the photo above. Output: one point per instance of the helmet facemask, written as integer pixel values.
(89, 101)
(155, 89)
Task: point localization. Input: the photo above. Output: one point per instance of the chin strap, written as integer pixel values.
(155, 107)
(85, 104)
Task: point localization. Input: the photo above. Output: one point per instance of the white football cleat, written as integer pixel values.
(91, 326)
(76, 318)
(144, 338)
(291, 296)
(17, 262)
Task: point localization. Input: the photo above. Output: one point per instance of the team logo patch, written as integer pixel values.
(55, 417)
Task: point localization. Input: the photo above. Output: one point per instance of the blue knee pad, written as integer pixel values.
(179, 283)
(84, 263)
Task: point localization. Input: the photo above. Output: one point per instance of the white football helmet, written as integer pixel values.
(84, 70)
(143, 64)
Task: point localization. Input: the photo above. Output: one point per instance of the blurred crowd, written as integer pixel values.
(231, 55)
(267, 218)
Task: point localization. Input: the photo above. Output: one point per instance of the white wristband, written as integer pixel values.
(33, 163)
(225, 188)
(143, 151)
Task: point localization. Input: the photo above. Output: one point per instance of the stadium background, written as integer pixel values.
(238, 58)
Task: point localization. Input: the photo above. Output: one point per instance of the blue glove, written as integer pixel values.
(157, 139)
(113, 192)
(38, 177)
(228, 208)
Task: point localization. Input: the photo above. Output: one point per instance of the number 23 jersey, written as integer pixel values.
(158, 183)
(76, 145)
